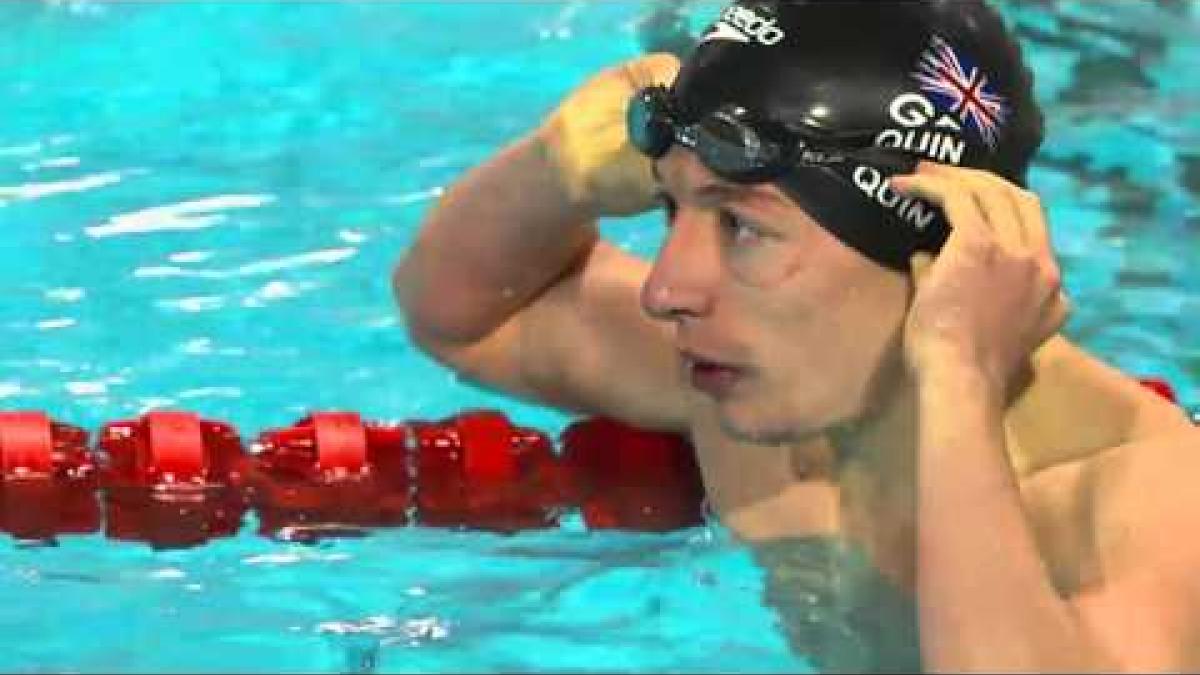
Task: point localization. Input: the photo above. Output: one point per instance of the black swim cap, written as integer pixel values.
(933, 79)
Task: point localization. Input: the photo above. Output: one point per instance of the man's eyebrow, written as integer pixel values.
(721, 191)
(748, 195)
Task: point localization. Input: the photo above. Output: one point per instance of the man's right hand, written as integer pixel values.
(588, 143)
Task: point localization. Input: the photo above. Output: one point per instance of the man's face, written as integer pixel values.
(783, 329)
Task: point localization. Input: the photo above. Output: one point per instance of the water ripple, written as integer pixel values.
(276, 290)
(31, 191)
(257, 268)
(202, 303)
(34, 147)
(55, 324)
(65, 294)
(190, 215)
(212, 392)
(51, 163)
(84, 388)
(291, 557)
(10, 389)
(185, 257)
(414, 197)
(412, 631)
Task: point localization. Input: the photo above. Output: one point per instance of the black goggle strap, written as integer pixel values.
(765, 149)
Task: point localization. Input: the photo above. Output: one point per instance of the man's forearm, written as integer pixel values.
(985, 598)
(498, 237)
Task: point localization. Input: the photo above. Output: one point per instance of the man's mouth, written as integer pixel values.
(712, 377)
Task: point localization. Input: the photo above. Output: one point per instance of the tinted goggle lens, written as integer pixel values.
(736, 146)
(729, 145)
(736, 150)
(649, 123)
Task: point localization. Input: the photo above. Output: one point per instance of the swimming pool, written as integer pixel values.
(201, 203)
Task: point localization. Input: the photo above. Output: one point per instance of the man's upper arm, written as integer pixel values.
(1145, 608)
(584, 345)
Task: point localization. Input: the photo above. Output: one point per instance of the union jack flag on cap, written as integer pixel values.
(962, 88)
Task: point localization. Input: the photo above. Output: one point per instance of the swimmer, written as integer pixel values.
(855, 317)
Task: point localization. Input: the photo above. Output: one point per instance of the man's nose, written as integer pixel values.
(685, 272)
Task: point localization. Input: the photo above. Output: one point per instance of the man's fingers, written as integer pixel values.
(962, 210)
(995, 214)
(652, 69)
(919, 265)
(1009, 209)
(1033, 218)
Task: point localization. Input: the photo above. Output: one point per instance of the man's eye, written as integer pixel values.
(737, 230)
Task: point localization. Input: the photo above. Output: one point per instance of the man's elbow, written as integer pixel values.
(428, 321)
(418, 324)
(442, 351)
(403, 293)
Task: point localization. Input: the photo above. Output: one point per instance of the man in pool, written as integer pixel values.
(863, 350)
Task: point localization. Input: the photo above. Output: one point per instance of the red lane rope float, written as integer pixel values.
(329, 467)
(173, 479)
(28, 443)
(48, 479)
(477, 470)
(169, 479)
(626, 478)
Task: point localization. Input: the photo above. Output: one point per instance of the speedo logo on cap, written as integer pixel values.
(738, 23)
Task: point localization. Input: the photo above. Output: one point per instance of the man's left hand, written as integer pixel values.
(994, 292)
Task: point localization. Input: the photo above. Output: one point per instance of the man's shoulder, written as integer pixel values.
(1099, 515)
(1165, 466)
(1081, 410)
(1138, 485)
(1169, 457)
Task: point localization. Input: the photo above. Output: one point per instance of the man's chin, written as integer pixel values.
(746, 427)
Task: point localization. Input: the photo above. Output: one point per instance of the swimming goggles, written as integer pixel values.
(738, 145)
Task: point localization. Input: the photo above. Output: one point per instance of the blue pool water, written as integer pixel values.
(199, 207)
